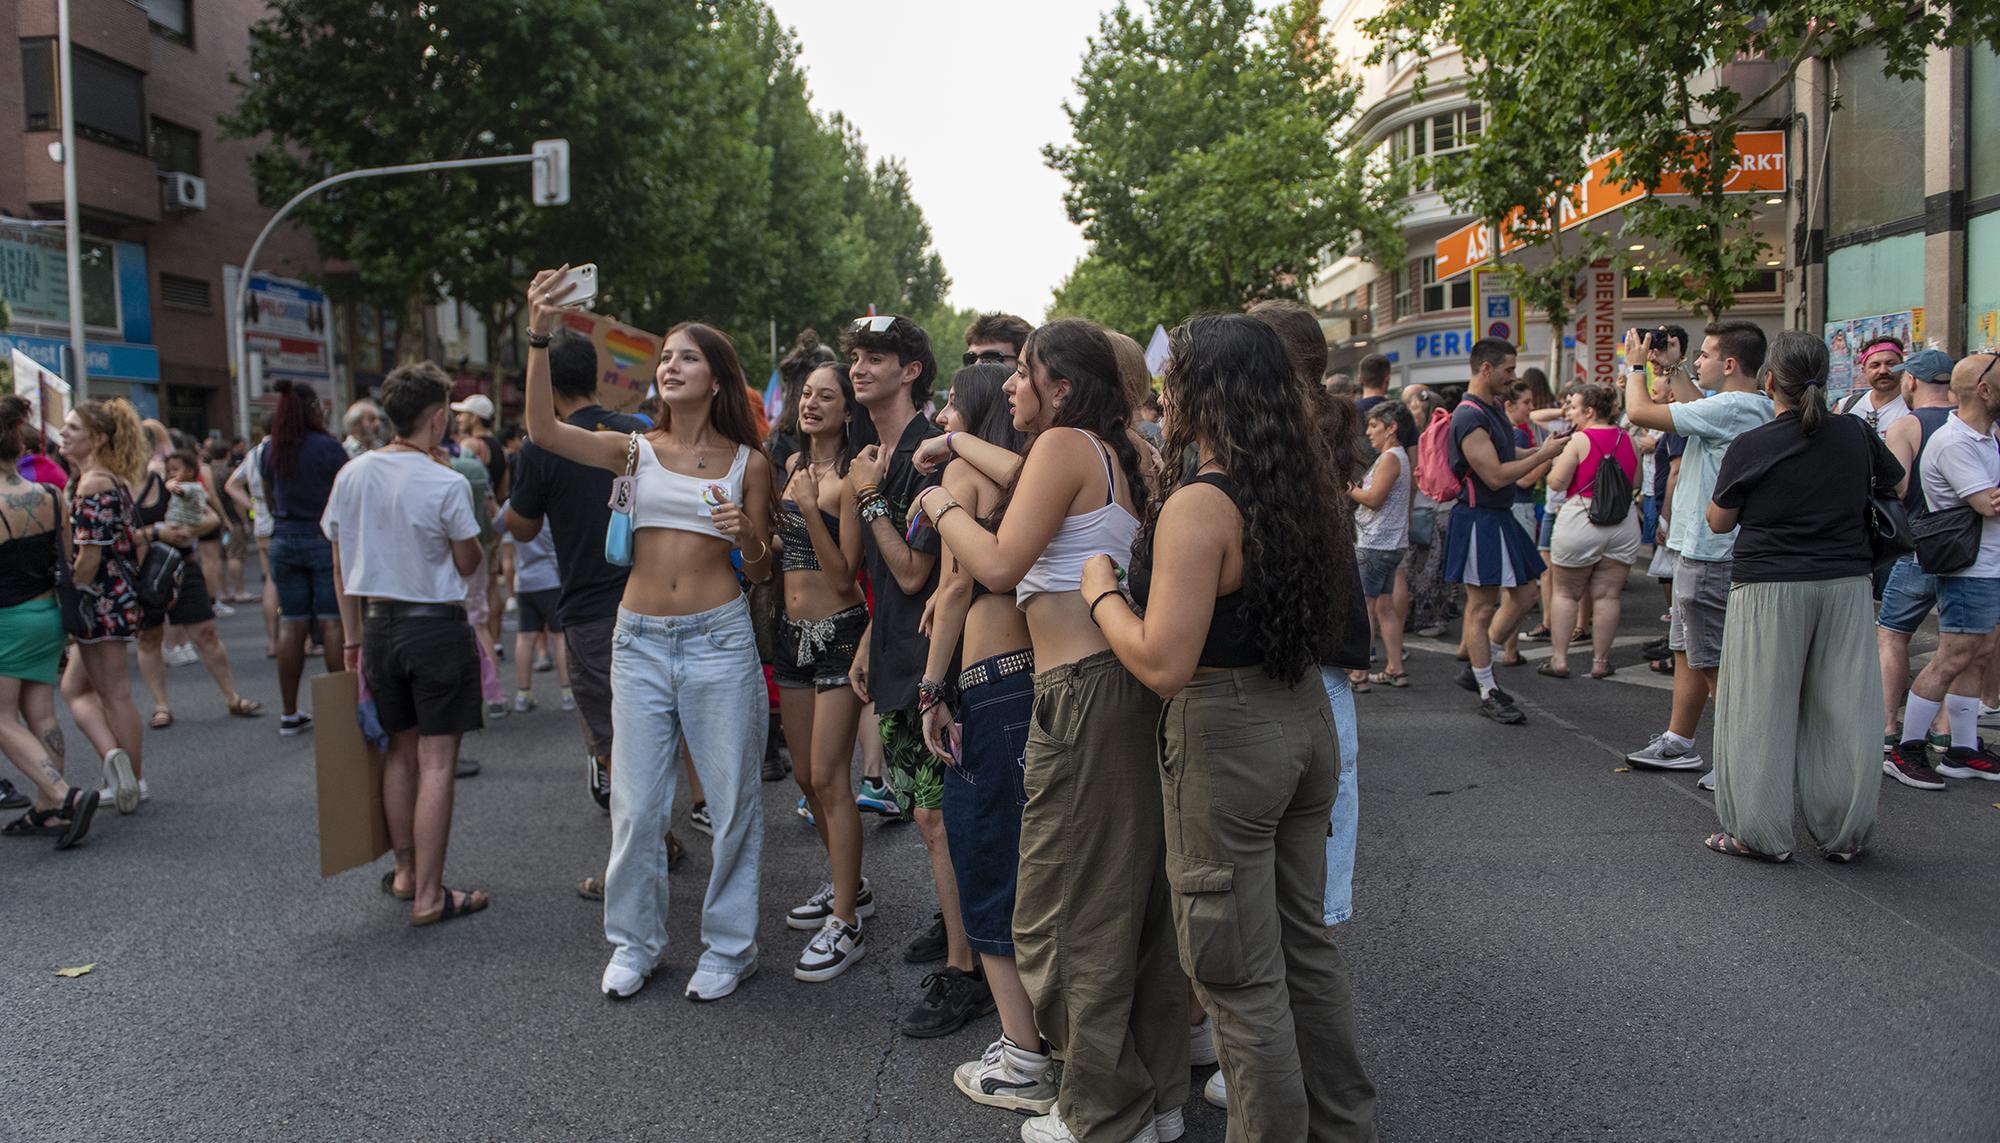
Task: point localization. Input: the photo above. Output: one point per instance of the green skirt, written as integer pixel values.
(31, 641)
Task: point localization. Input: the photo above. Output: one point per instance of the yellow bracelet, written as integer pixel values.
(750, 559)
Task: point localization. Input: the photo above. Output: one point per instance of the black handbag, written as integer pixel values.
(159, 579)
(1947, 541)
(1889, 537)
(78, 607)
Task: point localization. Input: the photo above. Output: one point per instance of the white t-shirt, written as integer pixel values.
(261, 521)
(1862, 405)
(394, 514)
(535, 562)
(1959, 461)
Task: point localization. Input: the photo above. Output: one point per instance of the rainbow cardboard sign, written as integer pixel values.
(625, 358)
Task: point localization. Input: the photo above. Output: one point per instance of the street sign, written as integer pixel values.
(1493, 300)
(551, 171)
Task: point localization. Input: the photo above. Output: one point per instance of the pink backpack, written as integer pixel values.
(1435, 477)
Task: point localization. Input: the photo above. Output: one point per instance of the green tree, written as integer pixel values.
(1110, 295)
(1561, 81)
(1203, 167)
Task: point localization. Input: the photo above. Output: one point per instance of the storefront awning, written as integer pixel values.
(110, 360)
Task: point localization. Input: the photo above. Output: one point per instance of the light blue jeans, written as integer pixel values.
(695, 676)
(1346, 800)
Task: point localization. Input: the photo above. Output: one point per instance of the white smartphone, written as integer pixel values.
(578, 287)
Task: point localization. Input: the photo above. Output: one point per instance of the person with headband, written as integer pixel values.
(1881, 402)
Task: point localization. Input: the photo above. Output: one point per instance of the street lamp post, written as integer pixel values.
(551, 188)
(79, 366)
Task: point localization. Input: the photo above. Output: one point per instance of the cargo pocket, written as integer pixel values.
(1205, 919)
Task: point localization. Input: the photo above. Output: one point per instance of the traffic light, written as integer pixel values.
(551, 172)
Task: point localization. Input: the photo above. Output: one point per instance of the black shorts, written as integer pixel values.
(191, 604)
(536, 611)
(817, 652)
(422, 673)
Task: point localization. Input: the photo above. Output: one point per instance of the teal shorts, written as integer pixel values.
(31, 641)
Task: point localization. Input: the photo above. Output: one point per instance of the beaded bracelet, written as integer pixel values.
(874, 508)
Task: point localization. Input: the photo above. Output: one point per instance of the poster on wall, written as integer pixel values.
(1986, 331)
(47, 394)
(1845, 339)
(625, 358)
(290, 327)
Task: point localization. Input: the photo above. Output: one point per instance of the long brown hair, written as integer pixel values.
(126, 448)
(729, 408)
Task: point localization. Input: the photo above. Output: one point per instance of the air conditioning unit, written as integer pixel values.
(181, 193)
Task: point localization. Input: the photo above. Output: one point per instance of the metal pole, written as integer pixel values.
(242, 346)
(79, 379)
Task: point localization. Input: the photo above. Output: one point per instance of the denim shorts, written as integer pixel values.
(1378, 569)
(1967, 604)
(1908, 596)
(983, 797)
(302, 571)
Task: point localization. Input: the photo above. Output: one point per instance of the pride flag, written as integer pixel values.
(774, 397)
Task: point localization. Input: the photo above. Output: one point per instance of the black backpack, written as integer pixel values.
(1610, 492)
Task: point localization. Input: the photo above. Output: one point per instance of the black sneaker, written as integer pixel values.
(929, 945)
(1467, 679)
(11, 798)
(1655, 650)
(952, 999)
(1499, 706)
(1910, 764)
(699, 818)
(466, 768)
(600, 782)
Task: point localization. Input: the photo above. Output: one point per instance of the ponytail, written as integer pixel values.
(1798, 364)
(126, 448)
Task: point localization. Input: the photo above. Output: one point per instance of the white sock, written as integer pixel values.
(1485, 676)
(1918, 712)
(1496, 651)
(1963, 710)
(1677, 741)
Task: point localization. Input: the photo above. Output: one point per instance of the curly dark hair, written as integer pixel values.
(1080, 352)
(808, 353)
(850, 406)
(1232, 386)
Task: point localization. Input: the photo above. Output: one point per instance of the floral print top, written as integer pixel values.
(106, 520)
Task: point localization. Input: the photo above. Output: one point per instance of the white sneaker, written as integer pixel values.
(1706, 781)
(523, 702)
(711, 984)
(568, 699)
(224, 609)
(621, 983)
(1051, 1129)
(1170, 1126)
(1989, 716)
(145, 795)
(1201, 1044)
(819, 907)
(1216, 1091)
(832, 951)
(1009, 1076)
(122, 784)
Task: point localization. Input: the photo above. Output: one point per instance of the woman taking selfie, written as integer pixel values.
(819, 548)
(1244, 599)
(1092, 933)
(983, 791)
(683, 655)
(105, 443)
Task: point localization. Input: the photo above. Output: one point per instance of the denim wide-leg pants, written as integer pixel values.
(693, 676)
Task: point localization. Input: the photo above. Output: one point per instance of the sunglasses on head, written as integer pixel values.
(879, 323)
(990, 357)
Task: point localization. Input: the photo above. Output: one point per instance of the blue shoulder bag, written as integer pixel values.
(618, 537)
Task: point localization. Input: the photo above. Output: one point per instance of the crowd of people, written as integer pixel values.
(1099, 641)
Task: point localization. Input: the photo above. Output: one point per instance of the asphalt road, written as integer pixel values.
(1542, 951)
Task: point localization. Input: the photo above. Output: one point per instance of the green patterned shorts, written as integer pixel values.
(915, 774)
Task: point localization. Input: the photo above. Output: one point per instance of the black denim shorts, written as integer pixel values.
(422, 673)
(817, 652)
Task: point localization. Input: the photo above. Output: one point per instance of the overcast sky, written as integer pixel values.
(982, 93)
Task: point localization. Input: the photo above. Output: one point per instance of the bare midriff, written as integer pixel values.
(679, 573)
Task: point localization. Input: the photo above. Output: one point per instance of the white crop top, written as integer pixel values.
(1108, 530)
(663, 498)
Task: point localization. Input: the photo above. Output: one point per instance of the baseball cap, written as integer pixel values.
(479, 405)
(1931, 365)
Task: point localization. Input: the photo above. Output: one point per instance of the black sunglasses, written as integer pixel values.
(877, 323)
(1995, 355)
(991, 357)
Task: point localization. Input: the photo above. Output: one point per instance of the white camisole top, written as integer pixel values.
(663, 498)
(1108, 530)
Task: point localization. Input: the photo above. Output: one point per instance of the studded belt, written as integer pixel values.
(995, 669)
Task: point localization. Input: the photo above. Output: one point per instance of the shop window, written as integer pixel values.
(1875, 146)
(38, 84)
(176, 148)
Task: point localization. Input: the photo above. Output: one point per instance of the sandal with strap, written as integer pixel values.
(35, 823)
(1552, 671)
(1389, 678)
(1602, 669)
(456, 904)
(590, 889)
(162, 718)
(1723, 843)
(389, 887)
(241, 707)
(78, 808)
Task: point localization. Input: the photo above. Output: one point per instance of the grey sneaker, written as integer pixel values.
(1659, 754)
(1706, 782)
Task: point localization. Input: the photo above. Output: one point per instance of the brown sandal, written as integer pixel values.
(1602, 669)
(240, 707)
(162, 718)
(456, 904)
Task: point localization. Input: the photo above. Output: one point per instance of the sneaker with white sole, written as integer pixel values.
(121, 781)
(293, 725)
(875, 798)
(496, 709)
(1659, 754)
(523, 702)
(832, 951)
(701, 820)
(1910, 764)
(1169, 1127)
(1216, 1091)
(1010, 1077)
(804, 811)
(621, 983)
(1201, 1044)
(819, 907)
(1966, 762)
(1051, 1129)
(223, 609)
(568, 699)
(713, 984)
(1706, 782)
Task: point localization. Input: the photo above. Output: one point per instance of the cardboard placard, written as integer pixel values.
(626, 358)
(352, 830)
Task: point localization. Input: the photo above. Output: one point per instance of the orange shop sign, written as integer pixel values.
(1759, 169)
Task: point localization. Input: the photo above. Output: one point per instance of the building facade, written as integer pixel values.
(1880, 215)
(168, 209)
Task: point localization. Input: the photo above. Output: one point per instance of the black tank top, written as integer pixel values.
(1932, 419)
(1232, 640)
(27, 563)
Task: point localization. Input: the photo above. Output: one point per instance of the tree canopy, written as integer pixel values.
(1203, 168)
(702, 182)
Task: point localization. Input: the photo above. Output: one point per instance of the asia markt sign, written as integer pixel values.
(1759, 169)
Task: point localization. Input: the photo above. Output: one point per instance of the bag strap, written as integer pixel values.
(632, 456)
